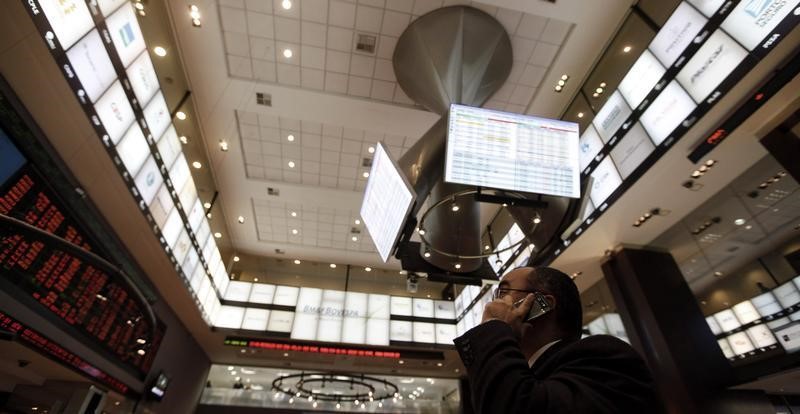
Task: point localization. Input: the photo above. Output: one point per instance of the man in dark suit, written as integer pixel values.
(541, 365)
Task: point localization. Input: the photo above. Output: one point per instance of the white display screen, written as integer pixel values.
(445, 333)
(142, 77)
(229, 317)
(108, 6)
(787, 294)
(761, 336)
(354, 330)
(615, 325)
(606, 180)
(641, 78)
(331, 313)
(378, 306)
(377, 331)
(707, 7)
(740, 343)
(424, 332)
(305, 326)
(712, 63)
(179, 173)
(238, 291)
(387, 200)
(677, 34)
(157, 115)
(745, 312)
(666, 112)
(598, 326)
(444, 309)
(262, 293)
(789, 337)
(726, 348)
(133, 149)
(172, 229)
(401, 306)
(182, 246)
(611, 116)
(400, 331)
(70, 19)
(148, 180)
(797, 282)
(423, 308)
(255, 319)
(280, 321)
(115, 111)
(195, 216)
(513, 152)
(190, 264)
(161, 206)
(766, 304)
(286, 296)
(168, 146)
(712, 323)
(90, 62)
(197, 277)
(188, 196)
(727, 320)
(589, 146)
(125, 33)
(632, 150)
(752, 21)
(355, 305)
(308, 300)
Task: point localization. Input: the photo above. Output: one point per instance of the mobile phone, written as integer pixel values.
(539, 307)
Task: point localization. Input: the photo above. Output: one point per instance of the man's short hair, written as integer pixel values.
(569, 313)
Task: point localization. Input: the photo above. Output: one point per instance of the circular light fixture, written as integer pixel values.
(457, 265)
(599, 90)
(717, 274)
(558, 88)
(537, 220)
(626, 49)
(439, 364)
(595, 95)
(218, 235)
(371, 150)
(291, 164)
(180, 115)
(207, 205)
(287, 53)
(183, 139)
(365, 174)
(711, 163)
(357, 221)
(401, 362)
(427, 253)
(240, 219)
(602, 84)
(422, 231)
(564, 77)
(487, 247)
(295, 231)
(739, 221)
(333, 265)
(286, 4)
(223, 145)
(160, 51)
(354, 238)
(290, 138)
(197, 165)
(561, 82)
(296, 261)
(367, 269)
(580, 114)
(455, 207)
(293, 214)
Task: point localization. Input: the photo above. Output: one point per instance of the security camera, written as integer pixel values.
(23, 363)
(412, 284)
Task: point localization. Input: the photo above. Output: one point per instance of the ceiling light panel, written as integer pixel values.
(323, 39)
(322, 155)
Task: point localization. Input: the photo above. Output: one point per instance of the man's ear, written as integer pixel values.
(551, 300)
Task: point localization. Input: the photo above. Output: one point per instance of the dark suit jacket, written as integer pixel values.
(598, 374)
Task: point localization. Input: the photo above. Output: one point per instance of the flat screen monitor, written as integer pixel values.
(726, 348)
(752, 21)
(255, 319)
(514, 152)
(666, 112)
(159, 387)
(641, 78)
(707, 7)
(90, 62)
(766, 304)
(787, 294)
(611, 116)
(632, 150)
(157, 115)
(115, 111)
(740, 343)
(142, 77)
(712, 63)
(589, 146)
(388, 198)
(727, 320)
(745, 312)
(69, 19)
(606, 180)
(677, 34)
(133, 149)
(125, 33)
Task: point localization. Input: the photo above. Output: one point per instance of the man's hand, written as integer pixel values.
(504, 310)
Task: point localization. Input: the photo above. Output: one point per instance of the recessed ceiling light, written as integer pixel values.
(333, 265)
(455, 207)
(427, 253)
(561, 82)
(748, 227)
(487, 247)
(183, 139)
(197, 165)
(293, 214)
(141, 352)
(290, 138)
(240, 219)
(287, 53)
(711, 163)
(717, 274)
(207, 205)
(457, 265)
(180, 115)
(218, 235)
(422, 231)
(295, 231)
(371, 150)
(367, 269)
(255, 279)
(564, 77)
(602, 84)
(537, 219)
(580, 114)
(558, 88)
(595, 95)
(403, 272)
(160, 51)
(357, 221)
(223, 145)
(236, 258)
(291, 164)
(296, 261)
(401, 362)
(286, 4)
(739, 221)
(599, 90)
(626, 49)
(354, 238)
(365, 174)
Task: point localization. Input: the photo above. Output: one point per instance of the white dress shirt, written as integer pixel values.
(541, 351)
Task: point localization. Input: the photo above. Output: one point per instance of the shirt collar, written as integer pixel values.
(541, 351)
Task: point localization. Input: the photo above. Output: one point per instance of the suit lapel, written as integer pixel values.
(543, 366)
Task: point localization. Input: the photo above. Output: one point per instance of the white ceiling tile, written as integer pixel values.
(394, 140)
(522, 95)
(273, 174)
(331, 130)
(310, 167)
(519, 109)
(255, 171)
(260, 6)
(232, 3)
(352, 133)
(267, 120)
(516, 71)
(291, 151)
(346, 184)
(509, 19)
(287, 30)
(324, 243)
(312, 78)
(271, 135)
(270, 149)
(543, 54)
(331, 143)
(351, 147)
(249, 118)
(310, 179)
(335, 82)
(250, 146)
(340, 39)
(261, 48)
(373, 3)
(358, 86)
(288, 74)
(386, 46)
(290, 124)
(233, 20)
(448, 3)
(260, 25)
(350, 160)
(311, 141)
(401, 97)
(495, 104)
(331, 157)
(313, 34)
(292, 177)
(347, 172)
(522, 48)
(532, 75)
(314, 10)
(382, 90)
(424, 6)
(342, 14)
(311, 154)
(368, 19)
(293, 12)
(395, 151)
(311, 127)
(264, 70)
(312, 57)
(394, 23)
(248, 131)
(555, 31)
(384, 70)
(281, 47)
(337, 61)
(400, 5)
(531, 26)
(236, 44)
(490, 10)
(504, 93)
(254, 158)
(329, 169)
(239, 66)
(362, 65)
